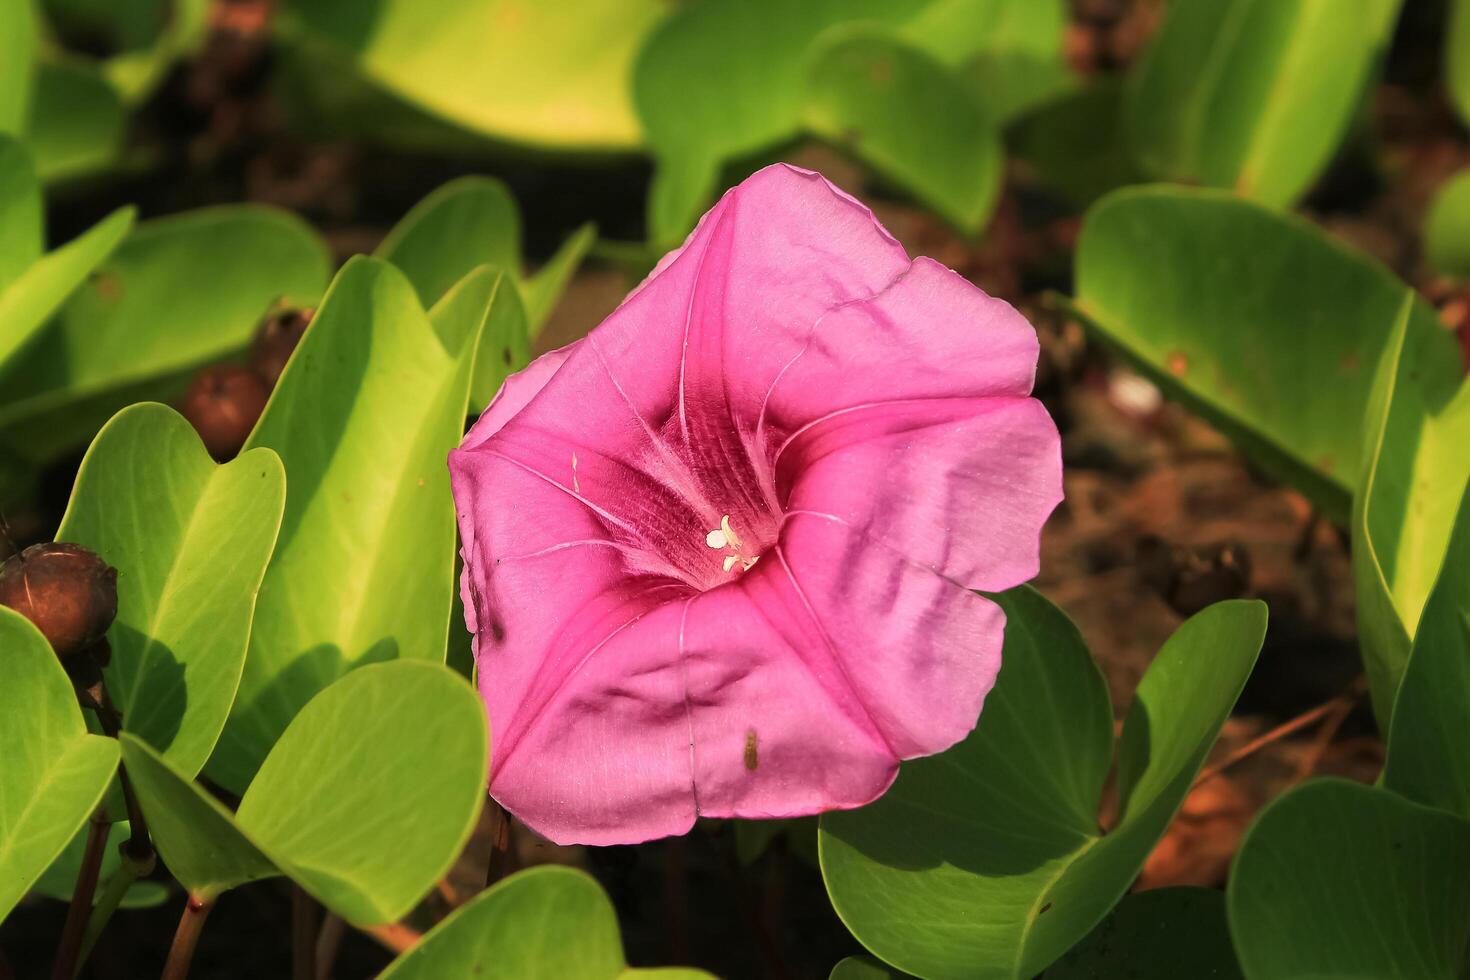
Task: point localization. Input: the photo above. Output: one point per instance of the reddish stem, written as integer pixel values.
(82, 895)
(186, 939)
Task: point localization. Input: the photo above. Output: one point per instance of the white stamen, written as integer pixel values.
(716, 539)
(724, 537)
(730, 561)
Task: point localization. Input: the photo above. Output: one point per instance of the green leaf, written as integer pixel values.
(178, 293)
(1414, 471)
(467, 222)
(1254, 95)
(1429, 743)
(22, 232)
(505, 344)
(192, 540)
(374, 788)
(474, 221)
(196, 836)
(363, 418)
(551, 75)
(547, 921)
(1007, 53)
(1163, 934)
(147, 35)
(986, 860)
(1075, 142)
(365, 801)
(1236, 311)
(75, 123)
(33, 285)
(907, 116)
(60, 879)
(1336, 879)
(1447, 228)
(55, 772)
(17, 64)
(1457, 56)
(863, 968)
(724, 79)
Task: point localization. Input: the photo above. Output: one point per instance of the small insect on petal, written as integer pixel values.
(752, 755)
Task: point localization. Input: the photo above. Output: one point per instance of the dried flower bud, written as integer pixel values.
(276, 338)
(223, 404)
(67, 591)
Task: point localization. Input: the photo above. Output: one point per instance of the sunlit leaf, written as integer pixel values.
(363, 418)
(54, 772)
(191, 540)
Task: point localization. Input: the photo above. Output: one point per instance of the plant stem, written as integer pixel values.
(334, 927)
(191, 924)
(303, 933)
(139, 844)
(112, 896)
(68, 952)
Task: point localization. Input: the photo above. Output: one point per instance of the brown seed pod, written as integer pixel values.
(1189, 579)
(275, 339)
(223, 404)
(67, 591)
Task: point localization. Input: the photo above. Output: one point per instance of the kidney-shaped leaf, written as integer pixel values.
(1162, 934)
(907, 116)
(179, 292)
(1254, 94)
(54, 772)
(364, 802)
(1336, 879)
(986, 860)
(1414, 471)
(467, 222)
(363, 418)
(543, 922)
(1258, 321)
(76, 123)
(191, 540)
(1429, 743)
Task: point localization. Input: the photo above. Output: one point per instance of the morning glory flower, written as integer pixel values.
(721, 556)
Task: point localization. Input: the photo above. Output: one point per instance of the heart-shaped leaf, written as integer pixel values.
(552, 75)
(1429, 744)
(1336, 879)
(548, 921)
(1414, 472)
(363, 418)
(55, 772)
(1254, 95)
(365, 801)
(986, 860)
(1447, 229)
(908, 117)
(178, 293)
(720, 80)
(1236, 311)
(1162, 934)
(191, 541)
(33, 285)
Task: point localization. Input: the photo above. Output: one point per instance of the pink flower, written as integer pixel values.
(719, 554)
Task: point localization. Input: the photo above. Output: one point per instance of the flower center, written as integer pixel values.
(724, 538)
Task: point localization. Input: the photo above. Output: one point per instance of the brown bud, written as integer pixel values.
(223, 404)
(275, 339)
(67, 591)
